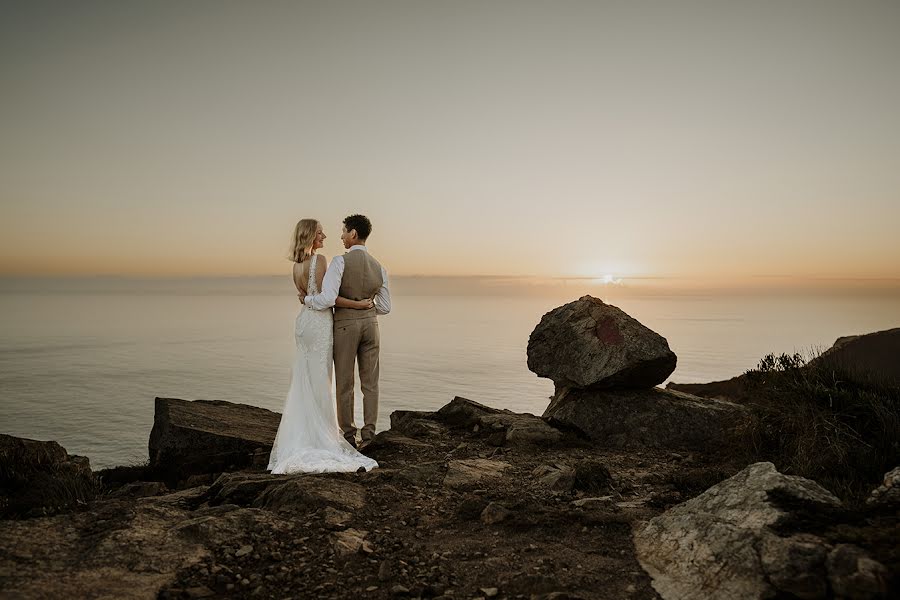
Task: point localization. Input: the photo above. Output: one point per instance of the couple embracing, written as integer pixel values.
(317, 433)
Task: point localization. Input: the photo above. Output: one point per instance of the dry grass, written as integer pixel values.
(814, 421)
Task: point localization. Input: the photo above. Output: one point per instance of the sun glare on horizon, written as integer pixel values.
(608, 279)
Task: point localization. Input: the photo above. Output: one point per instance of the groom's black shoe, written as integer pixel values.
(352, 442)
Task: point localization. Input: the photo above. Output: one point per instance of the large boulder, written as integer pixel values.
(40, 478)
(588, 343)
(209, 436)
(653, 418)
(730, 542)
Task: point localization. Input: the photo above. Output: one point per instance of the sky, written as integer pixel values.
(554, 139)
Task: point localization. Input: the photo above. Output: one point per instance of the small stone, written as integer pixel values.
(496, 439)
(591, 475)
(351, 541)
(244, 551)
(465, 473)
(489, 592)
(371, 588)
(470, 508)
(888, 493)
(399, 590)
(336, 518)
(385, 571)
(594, 503)
(557, 479)
(494, 513)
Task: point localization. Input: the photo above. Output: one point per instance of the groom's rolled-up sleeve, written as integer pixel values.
(331, 285)
(383, 297)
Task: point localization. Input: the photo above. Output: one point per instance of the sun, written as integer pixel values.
(608, 279)
(606, 274)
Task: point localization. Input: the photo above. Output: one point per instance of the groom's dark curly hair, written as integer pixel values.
(360, 223)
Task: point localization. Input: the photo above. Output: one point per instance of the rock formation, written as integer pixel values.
(590, 344)
(604, 365)
(41, 478)
(209, 436)
(651, 418)
(729, 543)
(871, 358)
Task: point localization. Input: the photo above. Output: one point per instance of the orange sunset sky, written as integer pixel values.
(636, 139)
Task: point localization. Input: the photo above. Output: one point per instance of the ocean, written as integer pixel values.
(81, 360)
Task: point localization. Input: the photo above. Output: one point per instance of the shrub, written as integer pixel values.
(813, 420)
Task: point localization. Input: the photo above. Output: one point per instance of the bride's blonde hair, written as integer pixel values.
(304, 237)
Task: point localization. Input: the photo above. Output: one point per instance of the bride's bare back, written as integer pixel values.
(301, 273)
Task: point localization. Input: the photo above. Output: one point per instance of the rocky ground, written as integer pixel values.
(448, 513)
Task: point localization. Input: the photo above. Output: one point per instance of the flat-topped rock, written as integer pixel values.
(652, 418)
(588, 343)
(208, 436)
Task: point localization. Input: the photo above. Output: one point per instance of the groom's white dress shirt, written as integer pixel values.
(331, 287)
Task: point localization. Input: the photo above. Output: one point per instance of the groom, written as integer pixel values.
(355, 275)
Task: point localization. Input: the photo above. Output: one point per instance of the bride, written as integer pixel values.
(308, 438)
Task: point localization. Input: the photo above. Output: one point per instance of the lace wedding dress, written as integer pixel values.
(308, 438)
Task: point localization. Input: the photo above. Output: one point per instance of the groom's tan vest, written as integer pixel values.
(362, 279)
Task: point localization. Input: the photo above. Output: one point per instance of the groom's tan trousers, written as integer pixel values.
(356, 340)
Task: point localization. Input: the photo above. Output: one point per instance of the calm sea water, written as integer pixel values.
(82, 360)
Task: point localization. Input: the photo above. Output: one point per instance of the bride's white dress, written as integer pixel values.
(308, 438)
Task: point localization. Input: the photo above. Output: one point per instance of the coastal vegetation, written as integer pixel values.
(818, 419)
